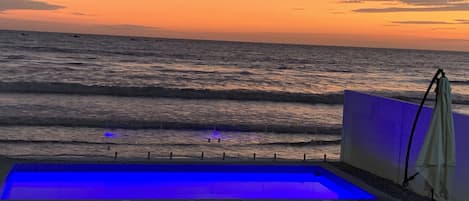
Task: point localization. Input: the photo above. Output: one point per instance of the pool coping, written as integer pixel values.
(6, 164)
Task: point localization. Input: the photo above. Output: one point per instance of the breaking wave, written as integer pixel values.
(188, 93)
(243, 95)
(143, 124)
(79, 142)
(307, 143)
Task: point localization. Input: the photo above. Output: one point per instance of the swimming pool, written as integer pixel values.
(33, 181)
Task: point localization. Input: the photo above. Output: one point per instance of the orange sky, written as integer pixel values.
(427, 24)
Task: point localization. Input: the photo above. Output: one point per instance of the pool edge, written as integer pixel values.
(6, 165)
(380, 195)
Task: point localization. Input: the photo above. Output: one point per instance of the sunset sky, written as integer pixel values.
(416, 24)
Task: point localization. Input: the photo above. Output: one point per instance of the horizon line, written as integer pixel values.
(236, 41)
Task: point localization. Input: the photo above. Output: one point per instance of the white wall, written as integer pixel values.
(375, 136)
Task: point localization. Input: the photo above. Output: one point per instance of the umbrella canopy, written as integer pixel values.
(436, 160)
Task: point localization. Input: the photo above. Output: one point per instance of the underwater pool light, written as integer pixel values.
(109, 134)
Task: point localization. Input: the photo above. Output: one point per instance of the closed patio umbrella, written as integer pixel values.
(437, 160)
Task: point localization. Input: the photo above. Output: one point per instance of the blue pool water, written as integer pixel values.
(28, 181)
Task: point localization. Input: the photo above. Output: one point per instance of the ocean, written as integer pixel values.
(90, 96)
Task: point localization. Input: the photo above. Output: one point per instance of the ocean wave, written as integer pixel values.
(243, 95)
(15, 57)
(57, 142)
(75, 63)
(188, 93)
(199, 71)
(71, 50)
(142, 124)
(460, 82)
(337, 70)
(66, 157)
(307, 143)
(79, 142)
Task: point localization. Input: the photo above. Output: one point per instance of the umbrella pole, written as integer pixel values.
(433, 193)
(405, 183)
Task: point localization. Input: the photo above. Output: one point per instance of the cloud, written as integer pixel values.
(363, 1)
(458, 7)
(80, 14)
(462, 21)
(107, 29)
(421, 22)
(443, 28)
(27, 5)
(298, 9)
(411, 2)
(454, 40)
(431, 2)
(128, 28)
(456, 21)
(414, 6)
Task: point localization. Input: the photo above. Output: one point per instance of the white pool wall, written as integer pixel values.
(376, 132)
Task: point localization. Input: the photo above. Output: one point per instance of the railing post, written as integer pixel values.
(223, 156)
(202, 156)
(325, 158)
(304, 157)
(148, 155)
(254, 156)
(170, 155)
(115, 155)
(275, 156)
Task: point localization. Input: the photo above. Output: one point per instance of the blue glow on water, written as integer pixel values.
(88, 181)
(216, 134)
(110, 135)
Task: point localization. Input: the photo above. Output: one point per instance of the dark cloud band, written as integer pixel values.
(27, 5)
(456, 21)
(416, 6)
(458, 7)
